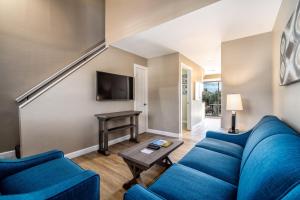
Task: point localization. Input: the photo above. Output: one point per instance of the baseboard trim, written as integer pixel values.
(196, 126)
(165, 133)
(8, 155)
(95, 147)
(82, 152)
(117, 140)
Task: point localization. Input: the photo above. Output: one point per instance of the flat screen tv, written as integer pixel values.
(114, 87)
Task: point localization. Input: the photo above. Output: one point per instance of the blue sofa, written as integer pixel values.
(46, 176)
(262, 164)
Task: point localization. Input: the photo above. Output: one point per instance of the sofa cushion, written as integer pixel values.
(213, 163)
(39, 177)
(183, 183)
(270, 126)
(138, 192)
(221, 146)
(272, 169)
(293, 194)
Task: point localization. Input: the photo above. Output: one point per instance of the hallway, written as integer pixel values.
(210, 123)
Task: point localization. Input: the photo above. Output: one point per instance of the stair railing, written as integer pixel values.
(48, 83)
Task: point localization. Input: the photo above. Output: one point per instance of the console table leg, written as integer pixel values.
(100, 136)
(106, 152)
(134, 132)
(103, 139)
(131, 129)
(136, 137)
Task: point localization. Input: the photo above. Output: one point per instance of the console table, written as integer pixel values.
(104, 131)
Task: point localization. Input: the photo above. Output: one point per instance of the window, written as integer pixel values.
(212, 98)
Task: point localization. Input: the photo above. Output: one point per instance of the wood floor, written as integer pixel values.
(114, 172)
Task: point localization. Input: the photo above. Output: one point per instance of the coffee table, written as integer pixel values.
(139, 162)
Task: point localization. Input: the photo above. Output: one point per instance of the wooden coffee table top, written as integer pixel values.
(135, 155)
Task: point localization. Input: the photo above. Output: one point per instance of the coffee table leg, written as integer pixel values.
(136, 172)
(166, 162)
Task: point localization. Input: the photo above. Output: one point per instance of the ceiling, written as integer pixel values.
(199, 34)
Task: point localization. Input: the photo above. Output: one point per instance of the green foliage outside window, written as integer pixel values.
(211, 97)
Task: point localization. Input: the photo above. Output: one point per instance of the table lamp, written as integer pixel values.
(234, 103)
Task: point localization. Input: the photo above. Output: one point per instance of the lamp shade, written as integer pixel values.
(234, 102)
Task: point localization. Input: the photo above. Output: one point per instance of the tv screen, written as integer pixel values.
(114, 87)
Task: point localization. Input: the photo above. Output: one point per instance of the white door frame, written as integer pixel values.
(189, 107)
(135, 66)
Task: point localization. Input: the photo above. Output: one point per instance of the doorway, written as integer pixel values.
(141, 95)
(186, 98)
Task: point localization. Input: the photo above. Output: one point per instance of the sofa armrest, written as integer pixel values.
(138, 192)
(9, 167)
(86, 185)
(239, 139)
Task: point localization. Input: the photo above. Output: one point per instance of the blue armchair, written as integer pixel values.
(47, 176)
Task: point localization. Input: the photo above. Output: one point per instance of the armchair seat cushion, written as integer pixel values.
(183, 183)
(213, 163)
(39, 177)
(221, 146)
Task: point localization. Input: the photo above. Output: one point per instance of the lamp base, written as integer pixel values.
(235, 131)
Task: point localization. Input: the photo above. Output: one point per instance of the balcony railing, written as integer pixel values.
(213, 110)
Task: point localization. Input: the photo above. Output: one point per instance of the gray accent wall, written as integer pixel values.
(37, 38)
(247, 70)
(164, 99)
(163, 83)
(286, 98)
(63, 117)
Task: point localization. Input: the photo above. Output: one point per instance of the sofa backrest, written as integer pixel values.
(272, 170)
(264, 119)
(268, 126)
